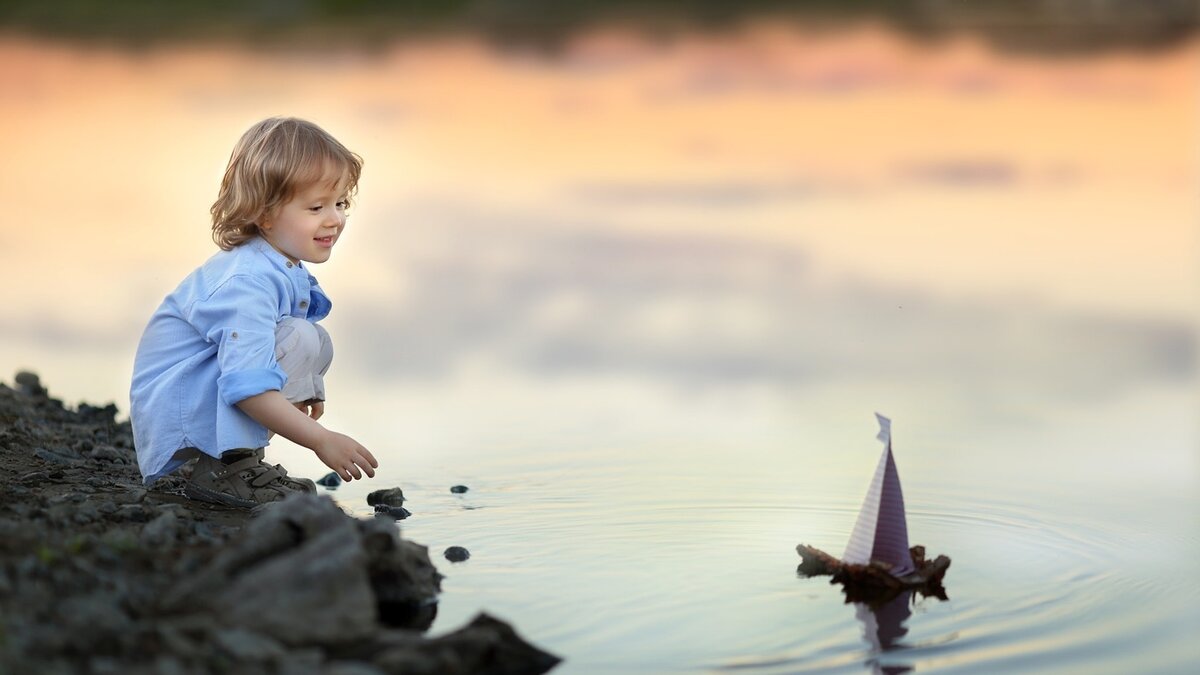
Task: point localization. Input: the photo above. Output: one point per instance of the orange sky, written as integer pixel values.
(112, 158)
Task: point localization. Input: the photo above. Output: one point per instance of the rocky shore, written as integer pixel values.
(99, 574)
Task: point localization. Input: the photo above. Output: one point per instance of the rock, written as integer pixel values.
(393, 512)
(403, 578)
(133, 513)
(132, 496)
(29, 384)
(456, 554)
(161, 530)
(330, 480)
(390, 497)
(106, 453)
(35, 477)
(99, 575)
(55, 457)
(301, 662)
(485, 645)
(458, 489)
(351, 668)
(298, 573)
(245, 646)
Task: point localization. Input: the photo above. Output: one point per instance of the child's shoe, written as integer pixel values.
(244, 483)
(293, 484)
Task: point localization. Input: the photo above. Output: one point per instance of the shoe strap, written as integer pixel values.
(269, 475)
(237, 467)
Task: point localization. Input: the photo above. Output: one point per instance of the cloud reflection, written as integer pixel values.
(553, 299)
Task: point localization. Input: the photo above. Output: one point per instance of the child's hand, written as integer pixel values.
(345, 456)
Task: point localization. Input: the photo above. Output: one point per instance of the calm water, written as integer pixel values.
(643, 299)
(676, 555)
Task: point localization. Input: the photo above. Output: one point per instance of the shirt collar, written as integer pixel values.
(277, 259)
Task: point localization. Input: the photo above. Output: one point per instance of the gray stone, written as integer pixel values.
(458, 489)
(393, 512)
(351, 668)
(301, 662)
(456, 554)
(35, 477)
(245, 645)
(330, 479)
(106, 453)
(133, 513)
(161, 530)
(55, 457)
(298, 573)
(390, 497)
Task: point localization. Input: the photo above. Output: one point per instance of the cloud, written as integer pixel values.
(551, 299)
(718, 194)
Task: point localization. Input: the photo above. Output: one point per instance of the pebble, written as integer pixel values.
(458, 489)
(330, 479)
(456, 554)
(393, 512)
(390, 497)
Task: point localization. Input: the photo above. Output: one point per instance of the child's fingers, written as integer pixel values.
(366, 466)
(370, 459)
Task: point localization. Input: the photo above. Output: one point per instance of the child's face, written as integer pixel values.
(307, 226)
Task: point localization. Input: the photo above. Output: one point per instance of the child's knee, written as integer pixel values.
(302, 347)
(297, 340)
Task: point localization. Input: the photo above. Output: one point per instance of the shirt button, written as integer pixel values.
(289, 263)
(233, 335)
(303, 304)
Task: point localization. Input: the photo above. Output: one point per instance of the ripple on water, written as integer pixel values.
(613, 574)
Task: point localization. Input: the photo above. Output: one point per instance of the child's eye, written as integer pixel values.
(343, 204)
(315, 209)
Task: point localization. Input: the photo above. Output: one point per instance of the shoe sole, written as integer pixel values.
(203, 494)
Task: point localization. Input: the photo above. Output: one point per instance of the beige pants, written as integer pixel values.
(304, 351)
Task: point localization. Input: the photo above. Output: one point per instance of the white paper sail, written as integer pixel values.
(881, 533)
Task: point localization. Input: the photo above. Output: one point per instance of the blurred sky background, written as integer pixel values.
(975, 211)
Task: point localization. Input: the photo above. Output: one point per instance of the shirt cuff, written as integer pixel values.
(242, 384)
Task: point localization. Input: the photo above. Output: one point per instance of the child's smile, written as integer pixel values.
(309, 224)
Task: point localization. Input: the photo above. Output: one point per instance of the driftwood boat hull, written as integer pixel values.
(876, 581)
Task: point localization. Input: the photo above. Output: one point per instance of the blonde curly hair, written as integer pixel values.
(271, 162)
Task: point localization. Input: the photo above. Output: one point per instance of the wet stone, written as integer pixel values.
(389, 497)
(458, 489)
(330, 479)
(456, 554)
(393, 512)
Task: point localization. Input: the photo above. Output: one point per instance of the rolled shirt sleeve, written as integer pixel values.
(239, 317)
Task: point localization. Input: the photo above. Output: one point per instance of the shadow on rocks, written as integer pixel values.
(304, 574)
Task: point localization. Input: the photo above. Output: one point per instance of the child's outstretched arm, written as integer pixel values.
(338, 451)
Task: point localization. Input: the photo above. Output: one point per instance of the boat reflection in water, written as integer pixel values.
(883, 630)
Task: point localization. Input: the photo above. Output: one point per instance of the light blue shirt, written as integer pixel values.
(210, 344)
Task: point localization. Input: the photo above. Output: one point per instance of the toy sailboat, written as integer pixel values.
(881, 533)
(878, 557)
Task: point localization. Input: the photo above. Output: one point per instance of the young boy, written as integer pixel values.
(235, 354)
